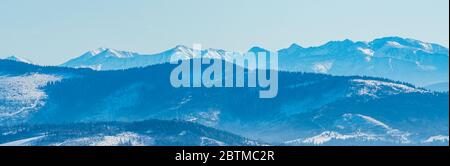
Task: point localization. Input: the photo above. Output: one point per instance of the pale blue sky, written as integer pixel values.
(53, 31)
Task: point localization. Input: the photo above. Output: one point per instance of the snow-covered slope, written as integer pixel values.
(18, 59)
(145, 133)
(22, 95)
(103, 59)
(356, 129)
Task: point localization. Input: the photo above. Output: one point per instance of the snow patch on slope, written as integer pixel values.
(126, 139)
(373, 121)
(366, 51)
(23, 142)
(19, 59)
(20, 95)
(426, 46)
(437, 138)
(395, 44)
(371, 125)
(354, 128)
(327, 136)
(210, 118)
(373, 87)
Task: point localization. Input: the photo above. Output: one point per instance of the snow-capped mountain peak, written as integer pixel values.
(389, 57)
(181, 49)
(97, 51)
(19, 59)
(257, 49)
(101, 59)
(407, 43)
(116, 53)
(383, 57)
(108, 52)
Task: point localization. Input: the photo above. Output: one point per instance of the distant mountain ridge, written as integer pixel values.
(395, 58)
(110, 59)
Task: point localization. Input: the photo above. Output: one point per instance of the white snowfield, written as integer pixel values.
(373, 87)
(367, 51)
(395, 44)
(388, 134)
(438, 138)
(20, 95)
(327, 136)
(125, 138)
(372, 121)
(24, 142)
(394, 135)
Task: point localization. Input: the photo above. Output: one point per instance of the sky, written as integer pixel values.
(50, 32)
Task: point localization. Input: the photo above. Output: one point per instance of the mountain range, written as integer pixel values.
(389, 91)
(408, 60)
(58, 105)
